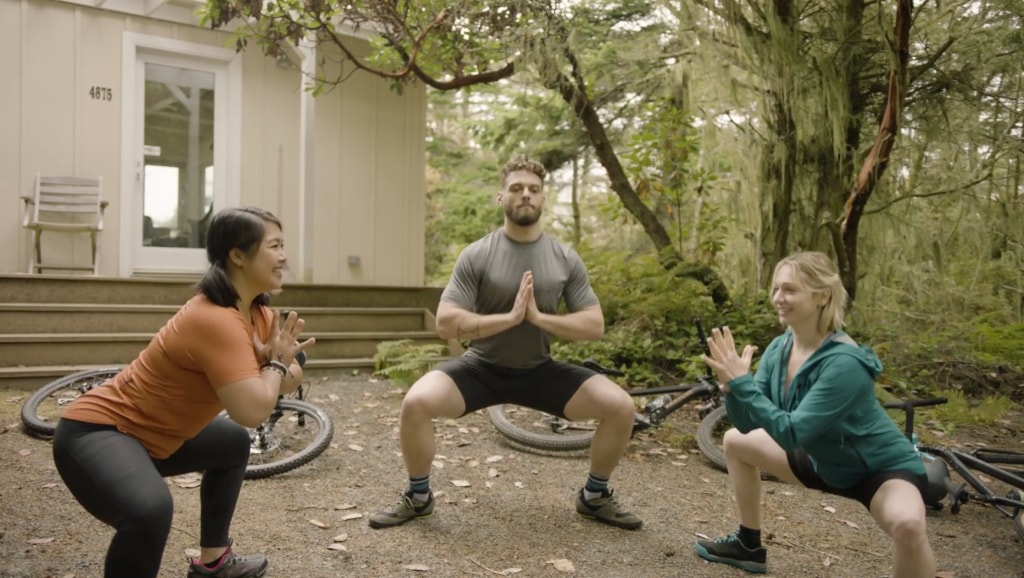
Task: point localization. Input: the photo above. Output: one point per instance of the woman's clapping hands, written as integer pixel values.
(283, 344)
(724, 359)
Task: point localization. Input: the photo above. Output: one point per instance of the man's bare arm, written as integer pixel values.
(453, 322)
(583, 325)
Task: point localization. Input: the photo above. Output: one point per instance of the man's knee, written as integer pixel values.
(603, 399)
(621, 404)
(433, 395)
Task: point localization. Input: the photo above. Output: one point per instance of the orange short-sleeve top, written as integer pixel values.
(168, 394)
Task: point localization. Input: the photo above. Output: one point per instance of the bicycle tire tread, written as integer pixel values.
(323, 439)
(29, 410)
(706, 437)
(547, 442)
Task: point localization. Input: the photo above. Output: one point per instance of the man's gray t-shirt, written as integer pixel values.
(486, 280)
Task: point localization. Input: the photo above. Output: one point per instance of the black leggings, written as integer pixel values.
(113, 476)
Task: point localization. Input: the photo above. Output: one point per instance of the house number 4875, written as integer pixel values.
(101, 93)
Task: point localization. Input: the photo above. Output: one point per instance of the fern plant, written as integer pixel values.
(404, 361)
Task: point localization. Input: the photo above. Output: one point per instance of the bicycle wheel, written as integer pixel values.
(533, 429)
(294, 435)
(709, 436)
(1018, 518)
(43, 408)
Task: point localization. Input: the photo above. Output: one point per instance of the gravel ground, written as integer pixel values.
(514, 518)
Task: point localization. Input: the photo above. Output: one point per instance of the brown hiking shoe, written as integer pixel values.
(607, 509)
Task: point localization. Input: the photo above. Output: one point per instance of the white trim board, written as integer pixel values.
(133, 44)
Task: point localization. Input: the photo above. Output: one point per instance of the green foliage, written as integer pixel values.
(404, 361)
(951, 329)
(649, 318)
(457, 40)
(959, 411)
(741, 132)
(663, 160)
(460, 203)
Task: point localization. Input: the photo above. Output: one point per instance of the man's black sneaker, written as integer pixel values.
(729, 550)
(407, 508)
(606, 509)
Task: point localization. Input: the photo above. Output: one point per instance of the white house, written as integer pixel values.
(178, 124)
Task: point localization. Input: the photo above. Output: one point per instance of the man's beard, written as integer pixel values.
(523, 218)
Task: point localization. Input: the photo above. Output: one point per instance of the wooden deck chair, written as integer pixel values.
(67, 205)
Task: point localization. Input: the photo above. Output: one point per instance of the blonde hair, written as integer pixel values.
(522, 163)
(815, 272)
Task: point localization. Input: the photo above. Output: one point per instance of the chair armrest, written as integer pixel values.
(99, 221)
(28, 202)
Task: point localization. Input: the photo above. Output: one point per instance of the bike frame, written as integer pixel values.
(983, 460)
(704, 388)
(962, 463)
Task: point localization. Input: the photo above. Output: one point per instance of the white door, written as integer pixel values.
(177, 143)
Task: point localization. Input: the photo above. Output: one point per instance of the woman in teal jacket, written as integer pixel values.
(809, 416)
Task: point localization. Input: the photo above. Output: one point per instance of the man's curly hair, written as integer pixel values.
(522, 163)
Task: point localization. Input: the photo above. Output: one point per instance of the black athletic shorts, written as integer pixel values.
(547, 387)
(862, 491)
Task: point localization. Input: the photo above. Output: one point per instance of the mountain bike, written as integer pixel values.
(537, 431)
(1006, 466)
(294, 434)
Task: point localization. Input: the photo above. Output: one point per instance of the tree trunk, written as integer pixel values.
(669, 257)
(778, 156)
(576, 177)
(778, 172)
(878, 158)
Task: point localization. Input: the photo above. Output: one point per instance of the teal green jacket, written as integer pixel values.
(830, 410)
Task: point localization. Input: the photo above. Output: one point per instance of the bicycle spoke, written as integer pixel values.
(290, 434)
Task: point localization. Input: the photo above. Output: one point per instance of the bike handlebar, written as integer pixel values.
(908, 406)
(911, 403)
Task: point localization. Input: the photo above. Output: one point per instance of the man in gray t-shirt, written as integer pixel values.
(486, 280)
(503, 297)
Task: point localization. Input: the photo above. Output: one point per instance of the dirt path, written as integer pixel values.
(516, 520)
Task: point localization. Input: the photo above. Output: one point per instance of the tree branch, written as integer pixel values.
(961, 188)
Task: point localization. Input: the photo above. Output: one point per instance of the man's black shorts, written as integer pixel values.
(862, 491)
(547, 387)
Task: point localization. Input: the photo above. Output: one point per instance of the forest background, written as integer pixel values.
(694, 143)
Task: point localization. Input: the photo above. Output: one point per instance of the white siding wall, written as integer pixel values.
(373, 201)
(369, 143)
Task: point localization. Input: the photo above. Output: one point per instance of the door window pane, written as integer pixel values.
(160, 205)
(178, 149)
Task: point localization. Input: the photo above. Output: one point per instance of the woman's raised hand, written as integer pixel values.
(724, 360)
(283, 344)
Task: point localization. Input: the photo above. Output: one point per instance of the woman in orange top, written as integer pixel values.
(224, 349)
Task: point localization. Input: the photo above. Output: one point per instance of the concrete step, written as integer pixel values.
(53, 325)
(49, 349)
(80, 289)
(24, 318)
